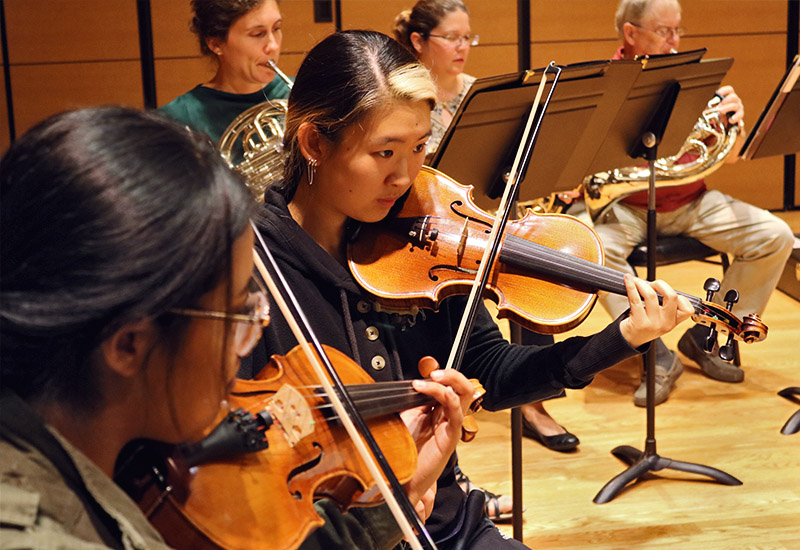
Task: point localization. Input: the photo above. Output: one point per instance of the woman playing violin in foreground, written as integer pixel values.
(358, 120)
(126, 304)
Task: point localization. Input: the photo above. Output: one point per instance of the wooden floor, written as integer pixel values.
(732, 427)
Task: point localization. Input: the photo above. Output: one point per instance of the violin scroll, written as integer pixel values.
(749, 329)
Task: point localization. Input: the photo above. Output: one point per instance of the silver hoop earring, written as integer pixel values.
(311, 169)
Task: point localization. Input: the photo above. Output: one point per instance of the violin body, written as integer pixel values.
(546, 276)
(265, 499)
(404, 270)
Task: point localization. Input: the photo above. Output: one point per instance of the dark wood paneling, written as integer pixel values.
(796, 186)
(41, 90)
(290, 62)
(46, 31)
(495, 21)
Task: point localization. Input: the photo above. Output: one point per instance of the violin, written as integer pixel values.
(245, 500)
(547, 274)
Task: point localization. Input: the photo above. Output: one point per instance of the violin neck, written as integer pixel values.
(563, 268)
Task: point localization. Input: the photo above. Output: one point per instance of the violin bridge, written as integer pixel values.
(291, 411)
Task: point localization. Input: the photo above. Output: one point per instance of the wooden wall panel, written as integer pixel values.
(495, 21)
(300, 32)
(565, 53)
(41, 31)
(559, 21)
(371, 14)
(176, 76)
(171, 21)
(492, 60)
(705, 17)
(797, 185)
(42, 90)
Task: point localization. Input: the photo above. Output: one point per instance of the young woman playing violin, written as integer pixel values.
(358, 120)
(126, 301)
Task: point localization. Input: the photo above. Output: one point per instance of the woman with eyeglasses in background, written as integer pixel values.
(438, 32)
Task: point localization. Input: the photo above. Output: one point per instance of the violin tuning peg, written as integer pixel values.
(726, 352)
(731, 297)
(711, 286)
(711, 339)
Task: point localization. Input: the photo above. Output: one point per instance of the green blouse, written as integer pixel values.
(211, 111)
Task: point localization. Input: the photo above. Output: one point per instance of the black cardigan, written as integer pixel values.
(388, 347)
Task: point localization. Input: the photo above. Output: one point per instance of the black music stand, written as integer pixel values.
(776, 130)
(682, 92)
(597, 107)
(776, 133)
(479, 145)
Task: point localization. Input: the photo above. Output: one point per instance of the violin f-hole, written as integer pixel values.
(304, 467)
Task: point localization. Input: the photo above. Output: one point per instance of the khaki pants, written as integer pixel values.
(758, 242)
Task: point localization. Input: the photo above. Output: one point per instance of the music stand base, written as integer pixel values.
(792, 425)
(639, 463)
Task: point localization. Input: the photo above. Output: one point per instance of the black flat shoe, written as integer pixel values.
(562, 442)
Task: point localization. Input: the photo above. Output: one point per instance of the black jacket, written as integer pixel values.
(388, 347)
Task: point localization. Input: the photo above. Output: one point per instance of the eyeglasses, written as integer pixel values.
(248, 326)
(665, 31)
(458, 39)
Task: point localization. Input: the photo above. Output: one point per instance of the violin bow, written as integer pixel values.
(518, 169)
(345, 408)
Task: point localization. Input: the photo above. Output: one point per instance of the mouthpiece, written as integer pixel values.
(280, 73)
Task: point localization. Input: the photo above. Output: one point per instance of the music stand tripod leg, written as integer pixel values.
(641, 462)
(792, 425)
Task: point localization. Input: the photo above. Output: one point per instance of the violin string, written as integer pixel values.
(558, 261)
(363, 395)
(582, 269)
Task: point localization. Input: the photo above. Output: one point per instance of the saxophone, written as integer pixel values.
(252, 144)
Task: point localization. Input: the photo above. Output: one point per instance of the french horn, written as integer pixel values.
(252, 144)
(708, 145)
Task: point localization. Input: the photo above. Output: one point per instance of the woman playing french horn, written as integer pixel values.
(242, 37)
